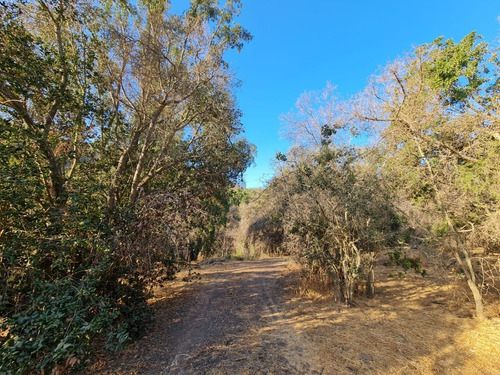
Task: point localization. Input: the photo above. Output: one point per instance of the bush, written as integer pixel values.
(398, 258)
(57, 329)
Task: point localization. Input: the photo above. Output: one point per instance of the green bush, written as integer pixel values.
(441, 229)
(59, 325)
(398, 258)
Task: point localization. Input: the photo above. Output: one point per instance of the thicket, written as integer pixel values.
(119, 143)
(423, 138)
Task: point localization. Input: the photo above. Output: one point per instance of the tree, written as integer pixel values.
(169, 81)
(119, 141)
(317, 116)
(46, 88)
(437, 112)
(326, 203)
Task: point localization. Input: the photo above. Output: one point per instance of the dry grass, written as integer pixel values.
(414, 325)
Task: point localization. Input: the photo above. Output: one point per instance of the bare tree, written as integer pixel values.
(318, 117)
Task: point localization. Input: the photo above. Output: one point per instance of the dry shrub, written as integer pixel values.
(163, 232)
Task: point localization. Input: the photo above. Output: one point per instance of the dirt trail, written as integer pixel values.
(231, 321)
(242, 318)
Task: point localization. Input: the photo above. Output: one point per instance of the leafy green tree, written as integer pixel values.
(46, 87)
(169, 81)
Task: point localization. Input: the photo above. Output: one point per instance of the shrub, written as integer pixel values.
(58, 327)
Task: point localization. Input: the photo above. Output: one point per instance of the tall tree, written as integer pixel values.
(169, 80)
(46, 87)
(437, 112)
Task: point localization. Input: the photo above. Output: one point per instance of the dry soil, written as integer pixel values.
(247, 318)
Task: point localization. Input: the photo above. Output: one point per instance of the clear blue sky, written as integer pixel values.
(299, 45)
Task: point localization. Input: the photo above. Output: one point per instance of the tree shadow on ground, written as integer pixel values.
(410, 327)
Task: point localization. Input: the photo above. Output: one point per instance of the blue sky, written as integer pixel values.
(300, 45)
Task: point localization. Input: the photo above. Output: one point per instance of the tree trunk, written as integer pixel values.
(112, 200)
(134, 189)
(460, 245)
(370, 283)
(478, 300)
(470, 275)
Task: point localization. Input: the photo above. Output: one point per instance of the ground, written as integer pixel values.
(248, 318)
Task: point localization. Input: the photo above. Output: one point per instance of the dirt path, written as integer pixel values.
(231, 321)
(242, 318)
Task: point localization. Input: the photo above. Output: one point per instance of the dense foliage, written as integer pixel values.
(118, 147)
